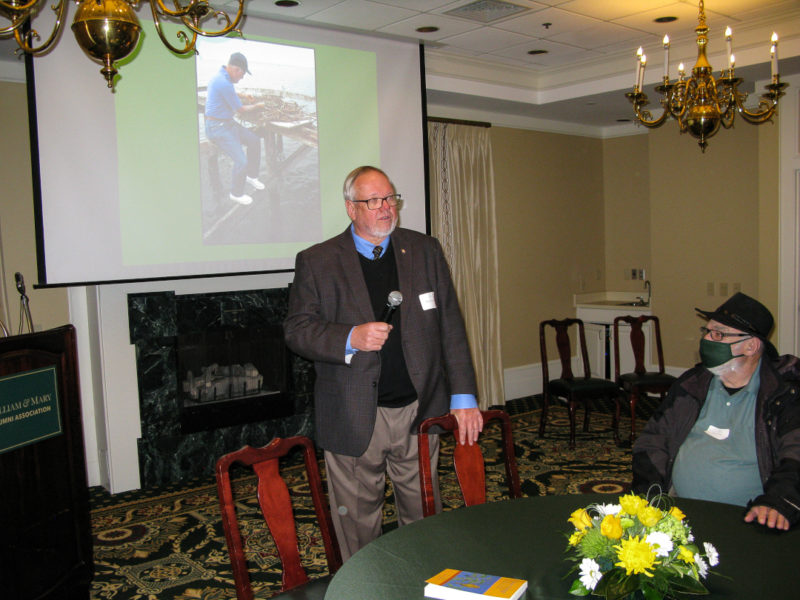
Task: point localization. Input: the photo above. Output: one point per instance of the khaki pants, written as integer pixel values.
(356, 483)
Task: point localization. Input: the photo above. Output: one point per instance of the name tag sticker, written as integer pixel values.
(717, 433)
(427, 301)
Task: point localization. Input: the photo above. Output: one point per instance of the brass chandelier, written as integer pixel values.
(700, 103)
(108, 30)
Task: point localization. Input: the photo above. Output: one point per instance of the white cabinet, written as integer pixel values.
(599, 327)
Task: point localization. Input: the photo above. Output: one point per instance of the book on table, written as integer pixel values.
(452, 584)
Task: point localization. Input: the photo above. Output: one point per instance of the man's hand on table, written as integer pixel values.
(767, 516)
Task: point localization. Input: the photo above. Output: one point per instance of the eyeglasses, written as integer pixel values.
(375, 203)
(718, 336)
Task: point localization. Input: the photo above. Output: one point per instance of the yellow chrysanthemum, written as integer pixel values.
(632, 504)
(677, 513)
(636, 556)
(686, 555)
(576, 537)
(611, 527)
(581, 519)
(650, 515)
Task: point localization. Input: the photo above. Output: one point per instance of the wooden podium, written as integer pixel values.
(45, 535)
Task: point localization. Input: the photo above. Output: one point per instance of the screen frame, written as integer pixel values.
(36, 166)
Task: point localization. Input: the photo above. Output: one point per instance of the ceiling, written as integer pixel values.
(479, 66)
(478, 63)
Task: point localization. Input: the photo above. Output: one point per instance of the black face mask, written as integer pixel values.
(714, 354)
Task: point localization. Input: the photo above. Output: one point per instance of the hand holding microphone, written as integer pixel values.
(371, 336)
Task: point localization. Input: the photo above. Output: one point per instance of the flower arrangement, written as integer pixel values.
(636, 549)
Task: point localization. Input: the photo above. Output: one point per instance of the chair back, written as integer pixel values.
(276, 508)
(637, 342)
(564, 346)
(467, 461)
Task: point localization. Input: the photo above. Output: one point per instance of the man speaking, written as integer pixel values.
(375, 380)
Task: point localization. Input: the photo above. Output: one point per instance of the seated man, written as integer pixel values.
(729, 429)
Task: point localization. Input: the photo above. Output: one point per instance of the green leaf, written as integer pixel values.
(578, 589)
(687, 585)
(652, 593)
(615, 585)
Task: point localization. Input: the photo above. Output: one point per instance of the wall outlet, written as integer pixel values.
(736, 288)
(723, 289)
(710, 288)
(633, 273)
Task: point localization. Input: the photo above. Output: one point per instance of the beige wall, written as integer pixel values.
(17, 245)
(549, 192)
(575, 214)
(626, 194)
(704, 229)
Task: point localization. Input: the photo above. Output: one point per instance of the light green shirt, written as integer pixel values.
(717, 461)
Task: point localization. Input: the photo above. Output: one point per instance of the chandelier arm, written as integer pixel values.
(192, 23)
(758, 117)
(25, 39)
(9, 29)
(179, 9)
(645, 118)
(21, 9)
(181, 35)
(198, 10)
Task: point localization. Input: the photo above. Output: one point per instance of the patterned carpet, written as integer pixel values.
(168, 543)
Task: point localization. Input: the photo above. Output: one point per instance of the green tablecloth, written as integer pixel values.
(525, 538)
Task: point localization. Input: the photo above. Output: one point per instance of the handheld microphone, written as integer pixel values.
(392, 302)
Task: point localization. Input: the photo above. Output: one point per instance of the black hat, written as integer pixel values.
(238, 59)
(746, 314)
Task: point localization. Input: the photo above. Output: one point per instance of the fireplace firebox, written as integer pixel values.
(232, 376)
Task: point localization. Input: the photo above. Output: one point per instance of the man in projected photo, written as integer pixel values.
(222, 104)
(377, 381)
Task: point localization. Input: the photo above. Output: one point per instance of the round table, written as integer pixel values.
(526, 538)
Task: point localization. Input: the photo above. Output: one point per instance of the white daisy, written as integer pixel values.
(607, 509)
(661, 542)
(590, 573)
(702, 567)
(711, 554)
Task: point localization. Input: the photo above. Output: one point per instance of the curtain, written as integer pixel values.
(463, 219)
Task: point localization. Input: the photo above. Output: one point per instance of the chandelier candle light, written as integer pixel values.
(700, 103)
(108, 30)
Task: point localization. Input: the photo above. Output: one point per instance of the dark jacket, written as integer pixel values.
(329, 296)
(777, 431)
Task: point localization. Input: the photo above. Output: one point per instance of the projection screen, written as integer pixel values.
(131, 188)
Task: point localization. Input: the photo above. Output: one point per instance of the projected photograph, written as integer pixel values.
(258, 141)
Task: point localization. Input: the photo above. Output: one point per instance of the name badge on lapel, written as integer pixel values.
(427, 301)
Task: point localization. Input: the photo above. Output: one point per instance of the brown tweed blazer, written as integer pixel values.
(329, 296)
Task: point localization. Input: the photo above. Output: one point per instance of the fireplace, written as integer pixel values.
(214, 374)
(231, 377)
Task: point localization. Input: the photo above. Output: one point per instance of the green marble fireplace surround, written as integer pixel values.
(157, 321)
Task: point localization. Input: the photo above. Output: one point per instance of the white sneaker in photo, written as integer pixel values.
(255, 183)
(244, 199)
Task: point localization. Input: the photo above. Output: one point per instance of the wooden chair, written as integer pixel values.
(467, 461)
(276, 507)
(640, 381)
(574, 389)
